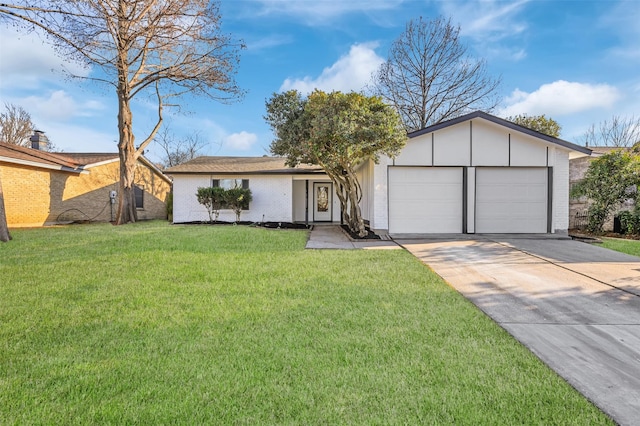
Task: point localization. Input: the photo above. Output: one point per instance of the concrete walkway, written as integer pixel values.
(333, 237)
(574, 305)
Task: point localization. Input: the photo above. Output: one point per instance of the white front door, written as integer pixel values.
(322, 201)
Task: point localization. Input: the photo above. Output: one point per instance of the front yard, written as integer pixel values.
(631, 247)
(158, 324)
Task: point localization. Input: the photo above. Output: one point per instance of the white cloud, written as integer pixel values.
(351, 72)
(72, 138)
(27, 59)
(316, 12)
(268, 42)
(561, 98)
(58, 105)
(242, 141)
(487, 19)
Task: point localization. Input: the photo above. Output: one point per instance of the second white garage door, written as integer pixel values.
(511, 200)
(424, 200)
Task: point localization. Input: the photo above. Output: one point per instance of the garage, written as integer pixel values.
(425, 200)
(511, 200)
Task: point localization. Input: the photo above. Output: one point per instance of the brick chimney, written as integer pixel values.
(39, 141)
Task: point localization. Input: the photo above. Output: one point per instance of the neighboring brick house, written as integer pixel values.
(42, 188)
(578, 206)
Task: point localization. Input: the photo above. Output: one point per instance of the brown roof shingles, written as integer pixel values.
(33, 155)
(242, 165)
(91, 157)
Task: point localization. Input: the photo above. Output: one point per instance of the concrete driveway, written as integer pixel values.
(574, 305)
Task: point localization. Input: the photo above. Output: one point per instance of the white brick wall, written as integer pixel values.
(560, 213)
(272, 197)
(380, 219)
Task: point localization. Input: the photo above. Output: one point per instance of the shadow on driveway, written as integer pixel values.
(576, 306)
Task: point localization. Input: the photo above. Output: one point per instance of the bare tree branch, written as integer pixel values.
(429, 77)
(16, 126)
(174, 46)
(617, 132)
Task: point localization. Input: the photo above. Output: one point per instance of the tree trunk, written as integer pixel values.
(4, 229)
(347, 189)
(126, 212)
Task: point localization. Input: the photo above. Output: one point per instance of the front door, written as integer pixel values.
(322, 202)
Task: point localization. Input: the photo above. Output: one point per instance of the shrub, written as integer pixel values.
(238, 199)
(170, 206)
(630, 222)
(214, 199)
(610, 180)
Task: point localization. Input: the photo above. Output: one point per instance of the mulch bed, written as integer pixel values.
(271, 225)
(370, 234)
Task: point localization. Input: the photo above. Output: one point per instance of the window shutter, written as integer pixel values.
(215, 183)
(245, 183)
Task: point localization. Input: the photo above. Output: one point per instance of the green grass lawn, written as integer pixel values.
(631, 247)
(158, 324)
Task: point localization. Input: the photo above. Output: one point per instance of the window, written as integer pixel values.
(138, 193)
(230, 183)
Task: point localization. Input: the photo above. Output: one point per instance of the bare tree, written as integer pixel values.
(177, 151)
(429, 77)
(163, 48)
(16, 126)
(618, 132)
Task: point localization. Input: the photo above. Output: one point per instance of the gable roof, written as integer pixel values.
(91, 158)
(11, 153)
(501, 122)
(75, 162)
(241, 165)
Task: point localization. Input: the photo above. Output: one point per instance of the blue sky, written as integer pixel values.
(575, 61)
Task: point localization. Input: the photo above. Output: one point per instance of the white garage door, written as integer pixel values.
(511, 200)
(425, 200)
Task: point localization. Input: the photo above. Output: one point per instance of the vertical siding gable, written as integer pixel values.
(452, 145)
(490, 145)
(417, 152)
(527, 151)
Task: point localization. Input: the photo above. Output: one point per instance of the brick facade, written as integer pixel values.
(38, 196)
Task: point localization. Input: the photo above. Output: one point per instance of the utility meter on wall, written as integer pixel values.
(113, 195)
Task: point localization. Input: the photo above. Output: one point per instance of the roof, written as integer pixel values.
(599, 150)
(32, 157)
(87, 158)
(241, 165)
(501, 122)
(75, 162)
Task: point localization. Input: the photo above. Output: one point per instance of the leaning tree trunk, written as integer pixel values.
(348, 191)
(126, 212)
(4, 229)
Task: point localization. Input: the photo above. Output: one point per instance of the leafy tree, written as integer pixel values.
(429, 77)
(338, 132)
(621, 132)
(539, 123)
(214, 199)
(16, 126)
(238, 199)
(610, 180)
(165, 49)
